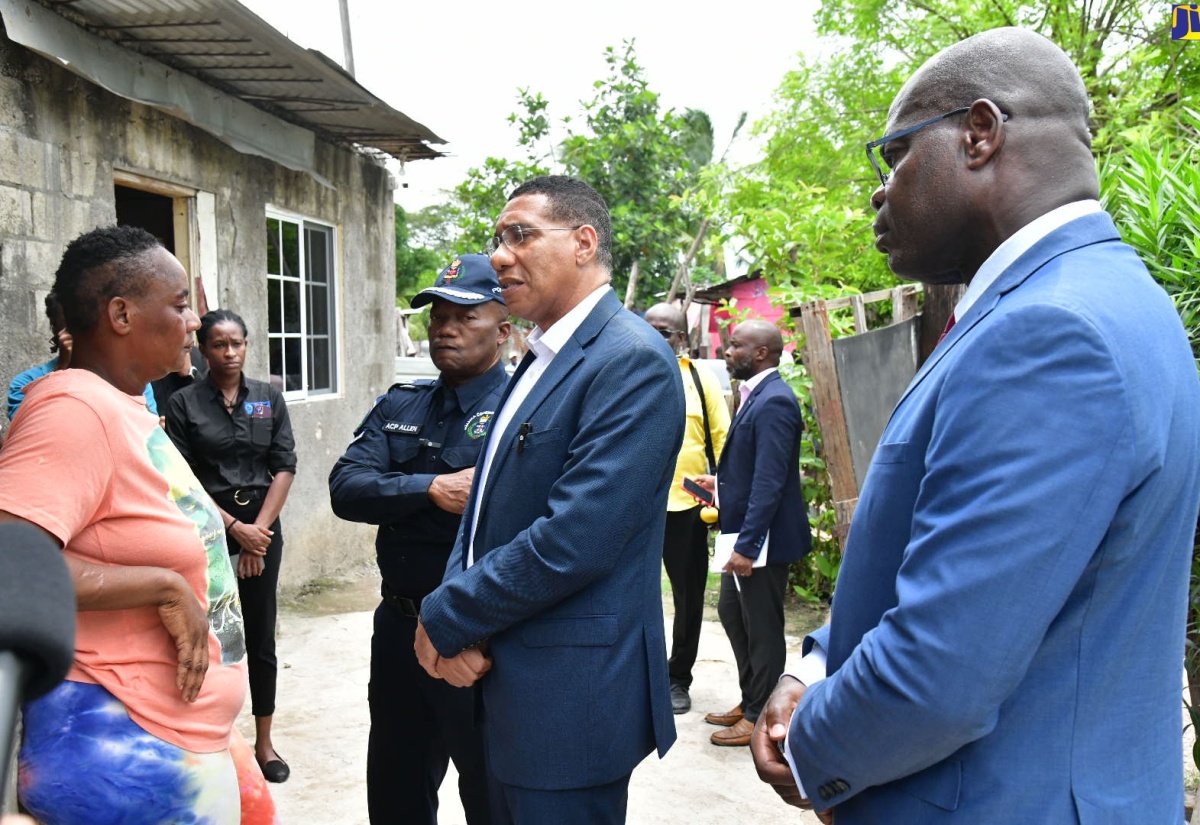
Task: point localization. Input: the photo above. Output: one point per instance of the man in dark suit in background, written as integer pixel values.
(556, 573)
(760, 500)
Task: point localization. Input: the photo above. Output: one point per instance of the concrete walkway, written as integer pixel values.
(321, 729)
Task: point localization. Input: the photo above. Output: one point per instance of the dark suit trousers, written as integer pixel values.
(753, 621)
(258, 595)
(601, 805)
(418, 724)
(685, 555)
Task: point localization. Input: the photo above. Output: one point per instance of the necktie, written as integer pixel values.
(949, 326)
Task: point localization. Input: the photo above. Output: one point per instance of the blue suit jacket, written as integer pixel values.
(1006, 639)
(568, 552)
(759, 475)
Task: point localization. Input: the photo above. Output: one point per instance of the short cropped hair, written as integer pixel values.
(574, 203)
(218, 316)
(97, 267)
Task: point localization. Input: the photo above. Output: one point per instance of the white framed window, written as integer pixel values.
(302, 300)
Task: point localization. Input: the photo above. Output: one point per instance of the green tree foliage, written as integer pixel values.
(640, 157)
(479, 199)
(804, 209)
(416, 266)
(1152, 188)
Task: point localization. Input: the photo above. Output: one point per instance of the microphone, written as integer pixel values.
(37, 626)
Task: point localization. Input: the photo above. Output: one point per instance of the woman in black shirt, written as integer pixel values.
(235, 433)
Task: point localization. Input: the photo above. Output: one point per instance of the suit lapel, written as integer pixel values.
(745, 409)
(1081, 232)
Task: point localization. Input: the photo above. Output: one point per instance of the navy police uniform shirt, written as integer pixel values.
(417, 431)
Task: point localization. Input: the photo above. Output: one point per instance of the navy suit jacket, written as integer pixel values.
(758, 475)
(1006, 640)
(565, 587)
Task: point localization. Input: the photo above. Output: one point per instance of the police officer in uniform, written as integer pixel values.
(409, 470)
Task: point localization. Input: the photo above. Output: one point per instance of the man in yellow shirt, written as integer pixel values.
(685, 543)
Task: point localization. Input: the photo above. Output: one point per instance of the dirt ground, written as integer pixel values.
(321, 728)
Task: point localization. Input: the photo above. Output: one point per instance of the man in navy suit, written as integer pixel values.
(760, 500)
(552, 597)
(1007, 633)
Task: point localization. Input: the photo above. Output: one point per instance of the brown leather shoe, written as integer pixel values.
(736, 736)
(725, 719)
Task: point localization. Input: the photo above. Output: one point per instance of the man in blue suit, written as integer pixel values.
(552, 594)
(1007, 633)
(758, 492)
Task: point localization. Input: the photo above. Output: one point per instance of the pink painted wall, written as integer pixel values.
(752, 298)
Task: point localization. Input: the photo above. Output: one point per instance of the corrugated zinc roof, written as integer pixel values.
(225, 45)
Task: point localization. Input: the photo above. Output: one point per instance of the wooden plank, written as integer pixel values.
(858, 308)
(844, 511)
(126, 177)
(827, 400)
(866, 298)
(904, 302)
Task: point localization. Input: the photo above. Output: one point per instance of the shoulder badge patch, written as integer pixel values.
(477, 425)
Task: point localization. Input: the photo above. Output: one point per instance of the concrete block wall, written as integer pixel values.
(61, 138)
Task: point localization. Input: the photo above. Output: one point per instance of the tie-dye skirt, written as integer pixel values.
(83, 761)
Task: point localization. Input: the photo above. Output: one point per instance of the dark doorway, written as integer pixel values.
(154, 213)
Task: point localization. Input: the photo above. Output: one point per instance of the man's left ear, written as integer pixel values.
(984, 134)
(118, 315)
(586, 243)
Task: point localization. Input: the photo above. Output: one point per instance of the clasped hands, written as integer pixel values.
(462, 670)
(253, 541)
(766, 745)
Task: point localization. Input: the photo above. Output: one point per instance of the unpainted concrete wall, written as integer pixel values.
(60, 139)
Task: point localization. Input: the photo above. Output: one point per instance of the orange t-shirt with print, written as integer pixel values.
(90, 465)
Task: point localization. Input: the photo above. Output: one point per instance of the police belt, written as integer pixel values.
(404, 605)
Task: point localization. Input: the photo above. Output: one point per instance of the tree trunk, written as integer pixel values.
(687, 260)
(631, 290)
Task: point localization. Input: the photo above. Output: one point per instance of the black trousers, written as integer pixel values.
(753, 621)
(685, 555)
(418, 723)
(258, 595)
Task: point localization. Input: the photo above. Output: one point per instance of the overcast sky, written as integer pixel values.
(456, 66)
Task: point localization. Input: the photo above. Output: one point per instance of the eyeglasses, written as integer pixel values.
(515, 235)
(669, 333)
(878, 158)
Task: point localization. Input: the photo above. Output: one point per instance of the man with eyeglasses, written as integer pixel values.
(408, 469)
(685, 543)
(1007, 632)
(552, 597)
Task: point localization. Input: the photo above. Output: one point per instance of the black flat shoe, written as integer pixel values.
(275, 771)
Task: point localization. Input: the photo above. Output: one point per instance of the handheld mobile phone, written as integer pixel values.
(697, 492)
